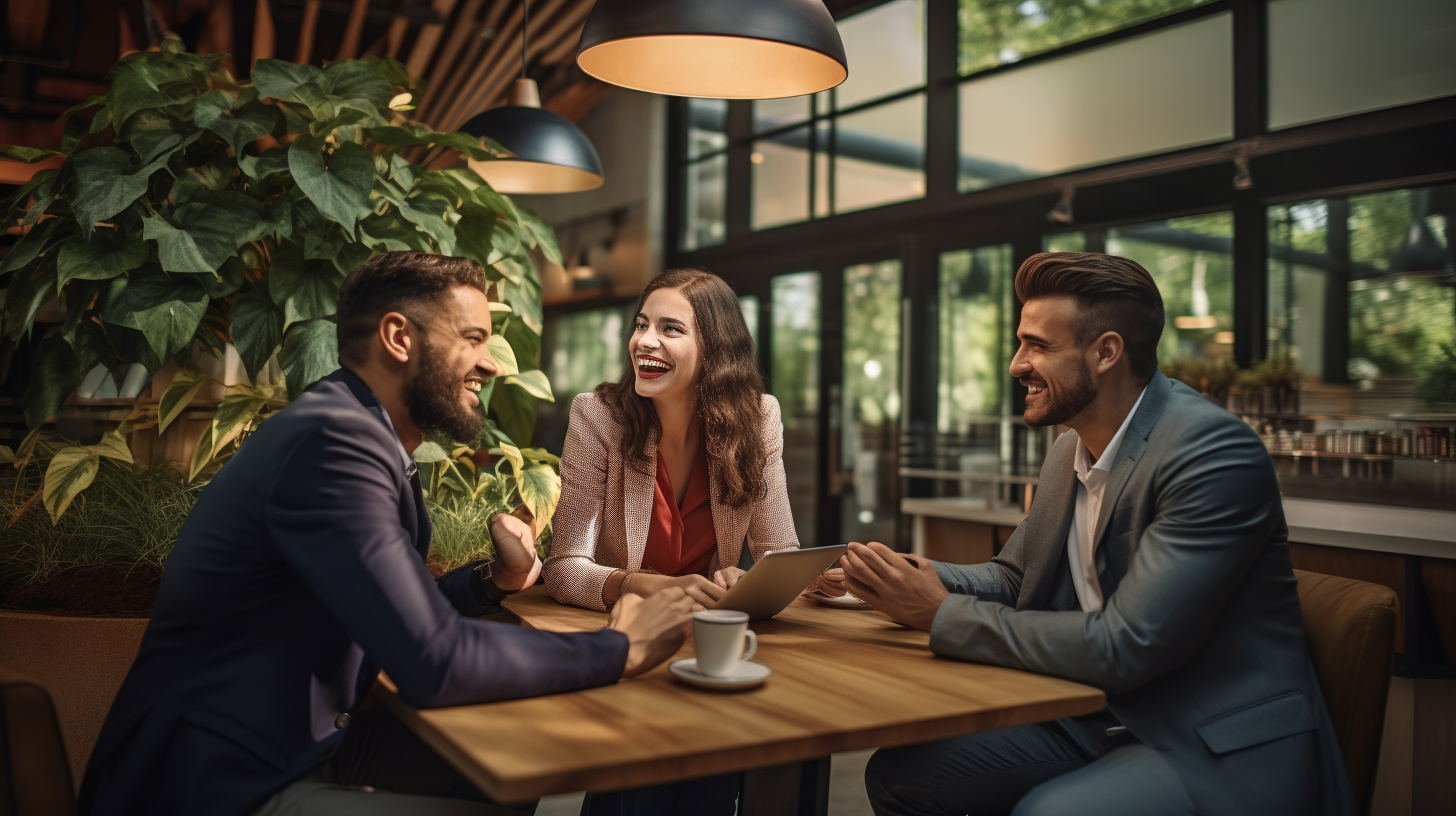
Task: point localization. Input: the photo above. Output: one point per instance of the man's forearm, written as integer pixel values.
(984, 581)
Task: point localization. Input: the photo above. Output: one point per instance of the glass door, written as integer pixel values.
(866, 422)
(794, 349)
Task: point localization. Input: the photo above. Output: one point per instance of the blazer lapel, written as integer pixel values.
(1047, 525)
(1134, 444)
(727, 523)
(639, 489)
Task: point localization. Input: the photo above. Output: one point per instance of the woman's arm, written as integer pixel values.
(572, 573)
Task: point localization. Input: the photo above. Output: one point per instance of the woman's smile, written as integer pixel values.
(650, 368)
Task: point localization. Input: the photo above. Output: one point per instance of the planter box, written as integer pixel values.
(80, 661)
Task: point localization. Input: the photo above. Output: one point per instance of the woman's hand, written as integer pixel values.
(832, 582)
(516, 565)
(705, 593)
(728, 576)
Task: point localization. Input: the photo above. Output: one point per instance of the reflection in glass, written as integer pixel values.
(707, 126)
(769, 114)
(1064, 242)
(1099, 105)
(976, 334)
(706, 183)
(794, 382)
(781, 179)
(1191, 259)
(995, 32)
(879, 155)
(749, 305)
(1331, 58)
(886, 47)
(870, 410)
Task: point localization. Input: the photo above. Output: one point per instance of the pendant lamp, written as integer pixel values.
(550, 154)
(726, 49)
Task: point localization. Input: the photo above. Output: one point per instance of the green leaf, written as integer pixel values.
(541, 235)
(71, 471)
(266, 166)
(179, 395)
(305, 289)
(238, 124)
(394, 136)
(131, 346)
(534, 383)
(165, 310)
(337, 183)
(428, 213)
(390, 232)
(310, 353)
(322, 238)
(504, 355)
(234, 415)
(430, 452)
(287, 81)
(206, 232)
(525, 342)
(106, 184)
(42, 186)
(30, 289)
(29, 155)
(216, 174)
(113, 446)
(351, 255)
(30, 245)
(257, 328)
(525, 300)
(514, 411)
(540, 489)
(227, 279)
(7, 456)
(150, 80)
(108, 254)
(473, 233)
(54, 376)
(513, 457)
(368, 78)
(88, 341)
(154, 133)
(91, 102)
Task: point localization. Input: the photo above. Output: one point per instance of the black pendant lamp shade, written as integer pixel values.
(726, 49)
(551, 154)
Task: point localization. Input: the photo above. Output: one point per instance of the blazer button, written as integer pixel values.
(342, 721)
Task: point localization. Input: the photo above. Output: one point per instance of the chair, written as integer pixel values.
(35, 778)
(1350, 626)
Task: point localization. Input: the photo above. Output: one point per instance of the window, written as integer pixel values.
(750, 306)
(853, 147)
(579, 351)
(1099, 105)
(705, 177)
(1191, 260)
(976, 337)
(996, 32)
(1331, 58)
(794, 382)
(870, 411)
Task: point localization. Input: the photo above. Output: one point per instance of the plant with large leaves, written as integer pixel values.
(195, 210)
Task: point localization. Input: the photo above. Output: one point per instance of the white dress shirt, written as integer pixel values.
(1092, 479)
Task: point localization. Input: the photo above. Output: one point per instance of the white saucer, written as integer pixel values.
(751, 674)
(845, 601)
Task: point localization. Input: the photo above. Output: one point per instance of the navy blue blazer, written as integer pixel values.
(298, 576)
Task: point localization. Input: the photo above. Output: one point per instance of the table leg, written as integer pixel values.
(796, 789)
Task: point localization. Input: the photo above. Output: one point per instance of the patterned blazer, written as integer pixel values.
(600, 525)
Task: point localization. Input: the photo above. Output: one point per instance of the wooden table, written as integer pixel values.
(843, 680)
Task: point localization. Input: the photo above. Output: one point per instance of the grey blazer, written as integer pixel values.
(1200, 645)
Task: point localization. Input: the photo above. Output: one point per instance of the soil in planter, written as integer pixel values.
(93, 591)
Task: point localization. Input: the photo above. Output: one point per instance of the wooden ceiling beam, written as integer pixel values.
(559, 22)
(307, 31)
(353, 30)
(265, 34)
(427, 40)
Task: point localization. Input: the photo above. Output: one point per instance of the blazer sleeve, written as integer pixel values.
(333, 513)
(771, 525)
(572, 573)
(1217, 508)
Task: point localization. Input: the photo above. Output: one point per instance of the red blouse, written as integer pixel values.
(681, 541)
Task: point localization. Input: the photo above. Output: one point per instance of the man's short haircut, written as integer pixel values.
(1113, 293)
(396, 282)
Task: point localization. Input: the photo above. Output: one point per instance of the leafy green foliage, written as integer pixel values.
(463, 497)
(993, 32)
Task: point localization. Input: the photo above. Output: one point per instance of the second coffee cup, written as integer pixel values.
(723, 640)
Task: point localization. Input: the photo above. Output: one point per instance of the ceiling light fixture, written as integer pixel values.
(743, 49)
(549, 153)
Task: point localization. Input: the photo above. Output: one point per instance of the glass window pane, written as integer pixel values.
(879, 155)
(1330, 58)
(578, 351)
(794, 382)
(995, 32)
(749, 305)
(1099, 105)
(707, 126)
(706, 186)
(781, 179)
(769, 114)
(869, 436)
(1191, 259)
(976, 314)
(1064, 242)
(886, 51)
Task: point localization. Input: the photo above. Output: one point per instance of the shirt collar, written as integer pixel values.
(378, 410)
(1084, 462)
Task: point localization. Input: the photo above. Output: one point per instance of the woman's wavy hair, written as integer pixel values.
(730, 393)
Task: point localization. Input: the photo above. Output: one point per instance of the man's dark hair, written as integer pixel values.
(1112, 293)
(396, 282)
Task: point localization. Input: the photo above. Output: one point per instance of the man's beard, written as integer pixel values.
(1063, 404)
(433, 399)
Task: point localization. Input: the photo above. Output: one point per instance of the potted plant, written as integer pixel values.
(199, 216)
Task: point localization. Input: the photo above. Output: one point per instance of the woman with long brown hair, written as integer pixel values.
(665, 471)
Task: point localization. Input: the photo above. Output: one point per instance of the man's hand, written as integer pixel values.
(728, 576)
(909, 591)
(832, 582)
(705, 593)
(655, 627)
(516, 565)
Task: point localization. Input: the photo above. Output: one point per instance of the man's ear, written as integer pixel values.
(396, 337)
(1109, 350)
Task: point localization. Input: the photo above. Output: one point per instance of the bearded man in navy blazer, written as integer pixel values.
(301, 574)
(1153, 565)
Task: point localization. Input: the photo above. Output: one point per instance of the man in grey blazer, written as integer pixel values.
(1153, 565)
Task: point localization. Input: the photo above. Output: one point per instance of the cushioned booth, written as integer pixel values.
(35, 778)
(1351, 630)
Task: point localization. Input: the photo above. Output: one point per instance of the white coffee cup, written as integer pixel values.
(719, 635)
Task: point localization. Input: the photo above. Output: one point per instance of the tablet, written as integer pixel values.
(777, 579)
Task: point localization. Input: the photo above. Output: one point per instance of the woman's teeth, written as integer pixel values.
(644, 363)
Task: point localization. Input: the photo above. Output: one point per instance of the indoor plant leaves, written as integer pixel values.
(310, 352)
(337, 181)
